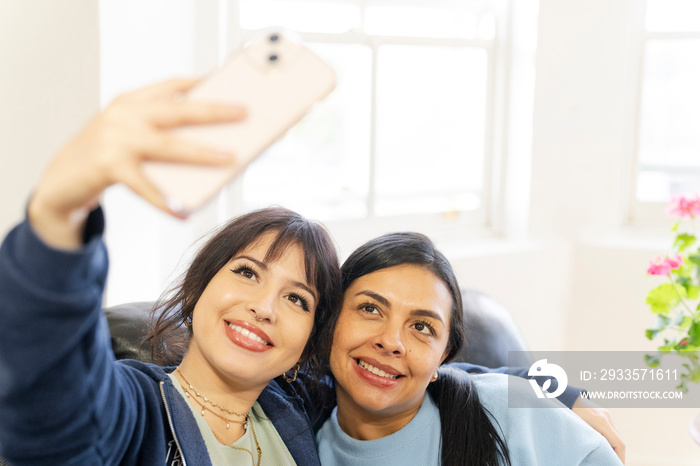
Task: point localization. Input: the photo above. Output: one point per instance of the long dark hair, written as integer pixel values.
(469, 435)
(167, 339)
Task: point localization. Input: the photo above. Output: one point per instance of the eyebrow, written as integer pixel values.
(416, 312)
(264, 267)
(427, 313)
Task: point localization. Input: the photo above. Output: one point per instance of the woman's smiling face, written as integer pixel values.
(390, 338)
(254, 318)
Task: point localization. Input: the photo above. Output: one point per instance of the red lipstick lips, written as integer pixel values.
(248, 336)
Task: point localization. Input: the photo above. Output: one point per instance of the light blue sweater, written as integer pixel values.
(535, 436)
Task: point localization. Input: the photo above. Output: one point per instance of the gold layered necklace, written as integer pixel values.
(194, 395)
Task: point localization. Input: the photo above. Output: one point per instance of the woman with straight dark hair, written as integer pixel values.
(256, 300)
(401, 320)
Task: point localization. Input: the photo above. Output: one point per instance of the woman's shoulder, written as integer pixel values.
(547, 429)
(498, 387)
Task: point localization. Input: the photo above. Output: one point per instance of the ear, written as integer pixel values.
(444, 355)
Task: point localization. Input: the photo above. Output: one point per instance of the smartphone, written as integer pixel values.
(277, 79)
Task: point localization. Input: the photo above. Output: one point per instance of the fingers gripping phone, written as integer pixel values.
(277, 80)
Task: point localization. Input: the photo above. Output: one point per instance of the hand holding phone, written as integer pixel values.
(277, 79)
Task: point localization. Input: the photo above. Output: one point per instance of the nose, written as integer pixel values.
(262, 306)
(389, 341)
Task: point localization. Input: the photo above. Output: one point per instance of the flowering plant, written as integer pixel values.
(675, 302)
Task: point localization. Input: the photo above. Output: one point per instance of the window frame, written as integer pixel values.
(444, 227)
(646, 213)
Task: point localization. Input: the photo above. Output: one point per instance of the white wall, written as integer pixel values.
(580, 283)
(574, 282)
(49, 57)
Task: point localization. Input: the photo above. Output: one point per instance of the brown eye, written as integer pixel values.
(299, 301)
(370, 309)
(424, 328)
(245, 272)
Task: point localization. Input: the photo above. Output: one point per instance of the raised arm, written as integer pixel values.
(60, 393)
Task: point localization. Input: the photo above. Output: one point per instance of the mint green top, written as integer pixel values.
(274, 451)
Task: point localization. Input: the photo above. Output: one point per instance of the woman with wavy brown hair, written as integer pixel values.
(256, 300)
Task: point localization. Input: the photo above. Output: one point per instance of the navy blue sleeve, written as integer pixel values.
(58, 394)
(568, 398)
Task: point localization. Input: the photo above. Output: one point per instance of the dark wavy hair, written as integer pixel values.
(469, 435)
(167, 339)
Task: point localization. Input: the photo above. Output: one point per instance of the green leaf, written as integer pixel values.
(663, 298)
(695, 259)
(683, 321)
(692, 291)
(675, 226)
(683, 241)
(684, 281)
(652, 360)
(662, 323)
(694, 334)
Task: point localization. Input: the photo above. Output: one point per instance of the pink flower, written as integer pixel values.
(674, 261)
(684, 207)
(659, 266)
(663, 265)
(684, 342)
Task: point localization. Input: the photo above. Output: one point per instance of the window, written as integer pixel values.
(668, 141)
(408, 140)
(405, 131)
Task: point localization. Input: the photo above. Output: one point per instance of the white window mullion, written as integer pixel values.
(371, 193)
(492, 148)
(634, 106)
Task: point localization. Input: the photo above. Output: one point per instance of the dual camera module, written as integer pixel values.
(274, 39)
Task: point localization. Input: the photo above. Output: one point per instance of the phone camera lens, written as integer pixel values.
(273, 58)
(274, 38)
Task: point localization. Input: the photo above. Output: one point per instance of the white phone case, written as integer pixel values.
(277, 80)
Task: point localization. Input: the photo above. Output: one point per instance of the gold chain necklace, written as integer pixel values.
(257, 444)
(245, 422)
(206, 400)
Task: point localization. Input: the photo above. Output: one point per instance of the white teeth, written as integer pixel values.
(247, 333)
(376, 370)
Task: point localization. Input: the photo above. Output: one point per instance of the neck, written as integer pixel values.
(364, 424)
(217, 391)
